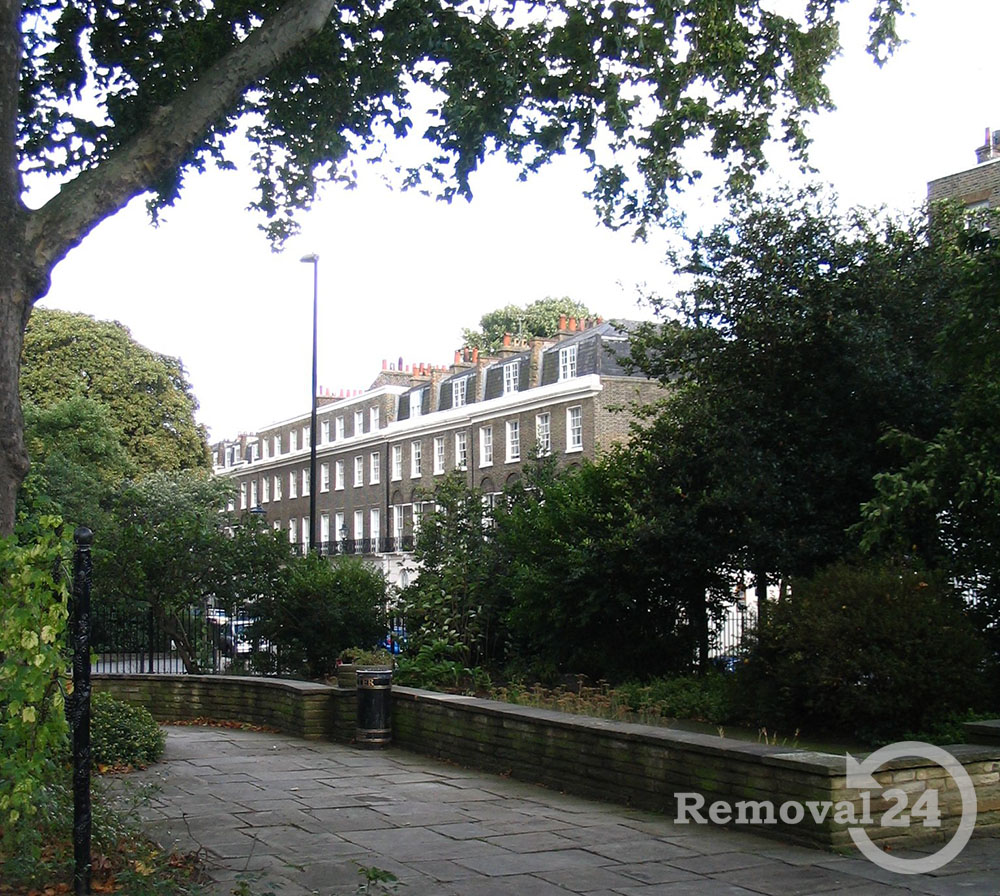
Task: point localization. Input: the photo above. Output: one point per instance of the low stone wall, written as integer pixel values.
(635, 765)
(300, 708)
(648, 767)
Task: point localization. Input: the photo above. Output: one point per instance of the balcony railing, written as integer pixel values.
(403, 544)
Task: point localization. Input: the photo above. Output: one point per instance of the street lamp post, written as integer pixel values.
(313, 259)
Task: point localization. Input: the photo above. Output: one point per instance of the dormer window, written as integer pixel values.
(567, 362)
(510, 377)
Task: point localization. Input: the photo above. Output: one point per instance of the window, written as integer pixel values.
(461, 450)
(458, 392)
(485, 446)
(416, 403)
(438, 455)
(339, 427)
(305, 535)
(293, 530)
(397, 462)
(243, 496)
(254, 452)
(574, 429)
(277, 445)
(265, 448)
(324, 432)
(293, 484)
(265, 489)
(306, 436)
(567, 362)
(305, 483)
(324, 477)
(373, 419)
(543, 433)
(293, 440)
(359, 470)
(416, 449)
(339, 528)
(236, 454)
(510, 377)
(359, 422)
(338, 475)
(374, 527)
(375, 468)
(397, 523)
(277, 486)
(324, 528)
(359, 530)
(253, 493)
(513, 440)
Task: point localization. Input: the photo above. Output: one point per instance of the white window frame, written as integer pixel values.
(375, 468)
(359, 470)
(374, 527)
(265, 489)
(243, 496)
(338, 475)
(397, 463)
(324, 477)
(277, 486)
(511, 377)
(359, 530)
(324, 527)
(293, 484)
(306, 482)
(513, 440)
(574, 430)
(416, 403)
(324, 431)
(339, 428)
(306, 531)
(416, 459)
(461, 450)
(338, 526)
(306, 435)
(438, 455)
(486, 445)
(543, 433)
(374, 419)
(293, 440)
(567, 362)
(359, 423)
(293, 530)
(459, 392)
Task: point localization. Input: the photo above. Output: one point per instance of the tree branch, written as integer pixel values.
(63, 222)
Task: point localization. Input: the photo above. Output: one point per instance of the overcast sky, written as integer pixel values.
(401, 275)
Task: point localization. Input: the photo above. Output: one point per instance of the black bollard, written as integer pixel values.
(79, 715)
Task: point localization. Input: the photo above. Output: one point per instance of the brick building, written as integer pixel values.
(380, 451)
(977, 187)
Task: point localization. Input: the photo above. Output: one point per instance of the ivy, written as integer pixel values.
(33, 727)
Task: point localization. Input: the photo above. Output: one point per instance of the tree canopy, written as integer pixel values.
(146, 395)
(539, 318)
(122, 99)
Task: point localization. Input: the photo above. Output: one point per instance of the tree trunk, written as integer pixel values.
(14, 311)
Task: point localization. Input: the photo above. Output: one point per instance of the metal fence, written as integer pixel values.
(729, 633)
(134, 639)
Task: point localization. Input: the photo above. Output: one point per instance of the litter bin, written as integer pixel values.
(374, 692)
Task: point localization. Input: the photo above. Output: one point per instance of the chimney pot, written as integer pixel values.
(572, 325)
(475, 355)
(458, 356)
(562, 322)
(506, 340)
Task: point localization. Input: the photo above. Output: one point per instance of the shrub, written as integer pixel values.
(874, 653)
(701, 697)
(122, 733)
(322, 608)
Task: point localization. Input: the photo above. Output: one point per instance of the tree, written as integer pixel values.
(118, 100)
(77, 465)
(940, 503)
(539, 318)
(146, 395)
(321, 608)
(174, 547)
(452, 600)
(803, 337)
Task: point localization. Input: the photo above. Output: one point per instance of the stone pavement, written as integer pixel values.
(297, 817)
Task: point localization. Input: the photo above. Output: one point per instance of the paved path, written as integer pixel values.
(299, 817)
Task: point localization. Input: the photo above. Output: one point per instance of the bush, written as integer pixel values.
(322, 608)
(122, 733)
(700, 697)
(874, 653)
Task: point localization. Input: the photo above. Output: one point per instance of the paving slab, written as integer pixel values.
(300, 818)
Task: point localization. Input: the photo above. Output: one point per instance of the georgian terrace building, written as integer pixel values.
(380, 451)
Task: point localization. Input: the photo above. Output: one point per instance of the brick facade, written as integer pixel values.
(380, 452)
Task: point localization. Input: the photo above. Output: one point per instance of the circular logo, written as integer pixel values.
(859, 776)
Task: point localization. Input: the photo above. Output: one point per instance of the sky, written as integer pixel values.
(401, 275)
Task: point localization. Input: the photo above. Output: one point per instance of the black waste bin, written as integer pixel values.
(374, 706)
